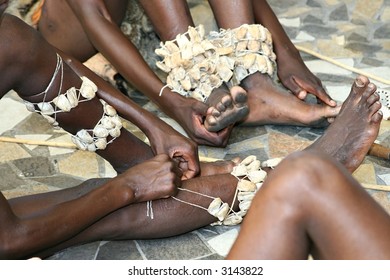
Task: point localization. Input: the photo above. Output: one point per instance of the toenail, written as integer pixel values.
(359, 83)
(371, 85)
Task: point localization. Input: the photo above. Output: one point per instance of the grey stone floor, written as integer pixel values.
(350, 31)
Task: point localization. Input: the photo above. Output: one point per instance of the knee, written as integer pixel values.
(305, 173)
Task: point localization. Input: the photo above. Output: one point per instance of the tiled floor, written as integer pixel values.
(350, 31)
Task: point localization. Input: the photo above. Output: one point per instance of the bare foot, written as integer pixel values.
(351, 135)
(268, 104)
(226, 109)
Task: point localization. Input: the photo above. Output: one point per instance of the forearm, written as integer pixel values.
(125, 107)
(109, 40)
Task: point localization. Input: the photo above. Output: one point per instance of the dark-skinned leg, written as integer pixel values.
(299, 211)
(225, 108)
(360, 113)
(268, 103)
(27, 229)
(126, 223)
(360, 110)
(170, 217)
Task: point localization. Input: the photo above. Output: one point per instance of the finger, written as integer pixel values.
(302, 94)
(318, 91)
(293, 87)
(192, 168)
(188, 166)
(201, 108)
(214, 139)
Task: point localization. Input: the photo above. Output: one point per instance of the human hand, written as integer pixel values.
(294, 75)
(166, 140)
(153, 179)
(190, 114)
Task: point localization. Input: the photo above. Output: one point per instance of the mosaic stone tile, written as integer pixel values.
(290, 22)
(183, 247)
(208, 232)
(340, 13)
(222, 243)
(331, 49)
(385, 17)
(339, 93)
(365, 173)
(320, 66)
(310, 19)
(35, 166)
(303, 37)
(309, 136)
(207, 152)
(357, 37)
(261, 154)
(362, 47)
(362, 10)
(61, 138)
(289, 130)
(385, 178)
(11, 151)
(109, 171)
(379, 161)
(119, 250)
(319, 31)
(212, 257)
(291, 32)
(246, 132)
(281, 145)
(382, 198)
(32, 137)
(244, 145)
(383, 72)
(9, 179)
(202, 14)
(372, 61)
(29, 188)
(296, 12)
(33, 124)
(313, 4)
(329, 79)
(80, 164)
(59, 181)
(82, 252)
(8, 108)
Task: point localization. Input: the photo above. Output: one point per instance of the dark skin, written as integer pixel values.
(113, 209)
(98, 31)
(30, 81)
(267, 103)
(331, 221)
(93, 24)
(296, 227)
(27, 62)
(292, 71)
